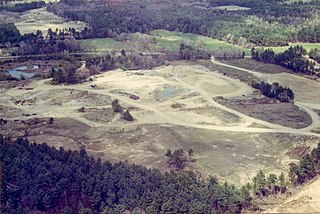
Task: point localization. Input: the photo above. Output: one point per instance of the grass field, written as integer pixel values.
(307, 46)
(171, 40)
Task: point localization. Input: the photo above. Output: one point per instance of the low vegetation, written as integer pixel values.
(178, 159)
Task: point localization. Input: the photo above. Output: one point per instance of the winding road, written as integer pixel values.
(169, 117)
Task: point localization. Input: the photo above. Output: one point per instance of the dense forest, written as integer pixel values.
(21, 7)
(39, 177)
(265, 23)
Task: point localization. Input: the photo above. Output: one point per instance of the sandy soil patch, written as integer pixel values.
(307, 200)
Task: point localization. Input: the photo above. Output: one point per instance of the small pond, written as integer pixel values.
(18, 72)
(168, 91)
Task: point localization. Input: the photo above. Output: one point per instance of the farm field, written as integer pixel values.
(177, 108)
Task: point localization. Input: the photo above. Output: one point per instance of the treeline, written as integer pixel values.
(9, 33)
(307, 168)
(72, 71)
(53, 42)
(189, 52)
(37, 177)
(22, 7)
(293, 59)
(274, 90)
(57, 41)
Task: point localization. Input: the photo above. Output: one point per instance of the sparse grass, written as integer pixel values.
(243, 76)
(285, 114)
(256, 66)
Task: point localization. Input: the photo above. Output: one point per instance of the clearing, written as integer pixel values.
(40, 19)
(177, 108)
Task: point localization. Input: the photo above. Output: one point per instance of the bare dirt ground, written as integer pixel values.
(175, 110)
(39, 19)
(306, 200)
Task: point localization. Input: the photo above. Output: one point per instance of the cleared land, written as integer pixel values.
(176, 110)
(40, 19)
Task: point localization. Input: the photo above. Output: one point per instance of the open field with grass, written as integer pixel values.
(307, 46)
(172, 40)
(164, 40)
(176, 109)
